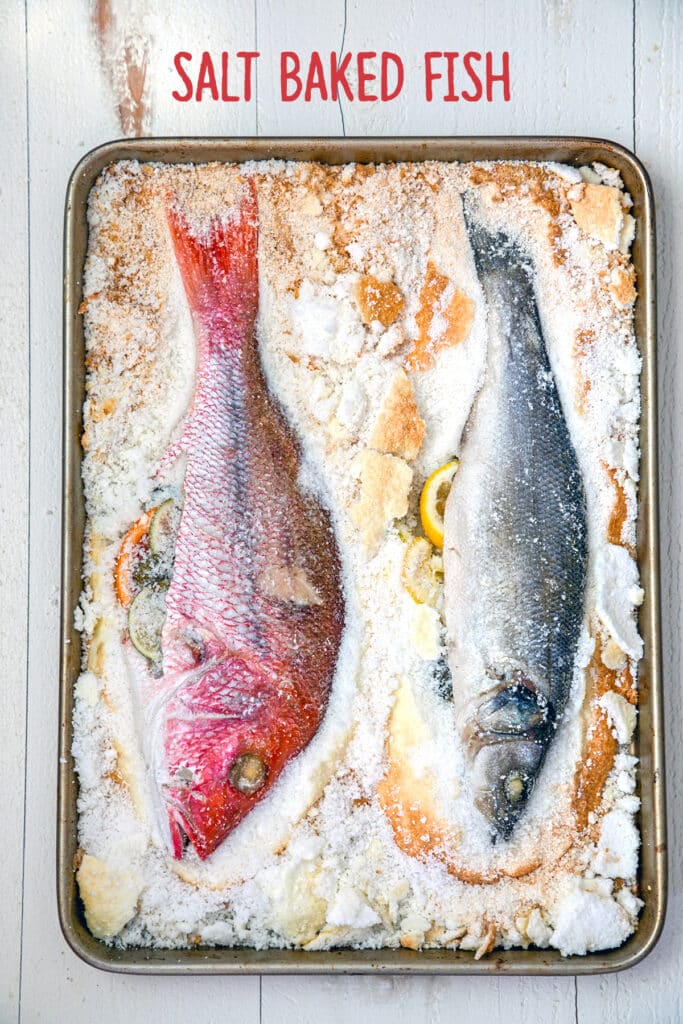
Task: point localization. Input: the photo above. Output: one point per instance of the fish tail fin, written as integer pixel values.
(492, 252)
(219, 266)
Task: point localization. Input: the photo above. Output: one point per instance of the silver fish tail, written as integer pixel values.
(515, 549)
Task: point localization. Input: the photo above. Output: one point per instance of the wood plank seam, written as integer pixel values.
(633, 74)
(341, 53)
(256, 76)
(28, 510)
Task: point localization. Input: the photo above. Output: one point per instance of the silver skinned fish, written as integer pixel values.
(515, 548)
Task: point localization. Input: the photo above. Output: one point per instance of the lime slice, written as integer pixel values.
(163, 528)
(146, 617)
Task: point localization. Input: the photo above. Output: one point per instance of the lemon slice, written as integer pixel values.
(420, 572)
(433, 500)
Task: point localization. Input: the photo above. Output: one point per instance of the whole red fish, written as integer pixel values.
(254, 611)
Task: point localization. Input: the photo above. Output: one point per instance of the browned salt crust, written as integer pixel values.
(378, 300)
(599, 746)
(399, 428)
(509, 179)
(457, 309)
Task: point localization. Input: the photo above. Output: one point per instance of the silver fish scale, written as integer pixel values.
(534, 517)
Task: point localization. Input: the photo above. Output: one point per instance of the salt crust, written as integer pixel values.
(316, 864)
(622, 715)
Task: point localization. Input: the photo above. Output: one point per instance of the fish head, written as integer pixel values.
(223, 752)
(503, 778)
(507, 737)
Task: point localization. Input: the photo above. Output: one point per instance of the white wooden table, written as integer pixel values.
(611, 69)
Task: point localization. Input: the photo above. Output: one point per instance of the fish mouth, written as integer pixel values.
(181, 828)
(504, 778)
(202, 817)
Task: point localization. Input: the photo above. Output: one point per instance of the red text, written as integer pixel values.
(328, 79)
(214, 78)
(444, 66)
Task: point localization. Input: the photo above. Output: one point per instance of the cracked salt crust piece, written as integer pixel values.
(480, 942)
(109, 895)
(399, 428)
(587, 919)
(327, 323)
(352, 406)
(598, 210)
(297, 910)
(622, 286)
(384, 487)
(101, 635)
(621, 713)
(618, 594)
(617, 851)
(612, 656)
(378, 301)
(425, 631)
(391, 340)
(350, 910)
(537, 929)
(414, 930)
(444, 318)
(87, 688)
(628, 233)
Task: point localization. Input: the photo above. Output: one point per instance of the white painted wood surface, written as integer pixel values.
(572, 69)
(14, 485)
(653, 990)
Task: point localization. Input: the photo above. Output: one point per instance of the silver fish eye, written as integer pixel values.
(248, 774)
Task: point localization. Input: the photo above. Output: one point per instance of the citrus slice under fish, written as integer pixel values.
(433, 500)
(132, 545)
(420, 572)
(146, 616)
(163, 528)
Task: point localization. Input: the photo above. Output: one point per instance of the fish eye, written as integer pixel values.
(248, 773)
(514, 787)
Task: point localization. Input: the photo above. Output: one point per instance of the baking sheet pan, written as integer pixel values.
(649, 740)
